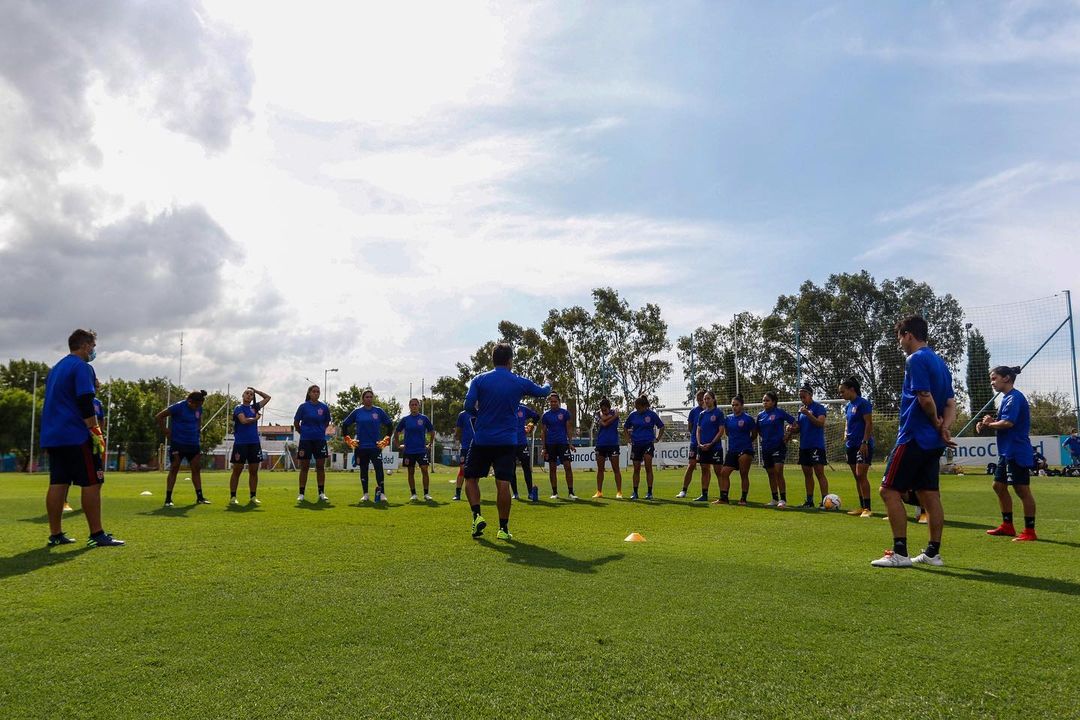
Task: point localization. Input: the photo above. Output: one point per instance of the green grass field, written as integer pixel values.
(350, 611)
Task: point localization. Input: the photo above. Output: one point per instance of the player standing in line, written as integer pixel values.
(184, 437)
(463, 436)
(493, 398)
(859, 441)
(607, 447)
(417, 431)
(811, 422)
(927, 410)
(709, 427)
(692, 459)
(99, 413)
(1015, 455)
(741, 432)
(643, 428)
(311, 420)
(774, 424)
(556, 429)
(1072, 444)
(526, 416)
(370, 421)
(72, 438)
(246, 445)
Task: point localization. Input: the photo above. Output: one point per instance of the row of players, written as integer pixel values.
(72, 436)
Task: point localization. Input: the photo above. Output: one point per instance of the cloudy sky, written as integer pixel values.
(372, 188)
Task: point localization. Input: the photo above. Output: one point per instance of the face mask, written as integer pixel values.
(93, 355)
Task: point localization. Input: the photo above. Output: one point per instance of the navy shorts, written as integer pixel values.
(638, 451)
(811, 456)
(731, 459)
(463, 456)
(312, 449)
(909, 467)
(854, 458)
(363, 456)
(250, 453)
(558, 453)
(774, 456)
(502, 459)
(1012, 473)
(607, 451)
(692, 455)
(180, 453)
(75, 465)
(714, 455)
(421, 459)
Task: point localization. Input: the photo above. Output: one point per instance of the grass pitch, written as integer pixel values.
(357, 611)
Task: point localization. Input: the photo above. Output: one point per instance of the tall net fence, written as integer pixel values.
(750, 355)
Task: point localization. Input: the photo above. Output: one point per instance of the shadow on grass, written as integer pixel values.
(520, 553)
(41, 557)
(313, 505)
(1066, 543)
(44, 519)
(174, 511)
(1028, 582)
(246, 507)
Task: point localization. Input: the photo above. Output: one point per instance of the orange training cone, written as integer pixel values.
(635, 537)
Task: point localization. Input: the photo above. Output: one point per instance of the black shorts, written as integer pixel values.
(558, 453)
(854, 458)
(363, 456)
(463, 456)
(523, 455)
(250, 453)
(421, 459)
(909, 467)
(75, 465)
(711, 456)
(774, 456)
(312, 449)
(607, 451)
(692, 455)
(731, 458)
(811, 456)
(180, 453)
(500, 458)
(1012, 473)
(638, 451)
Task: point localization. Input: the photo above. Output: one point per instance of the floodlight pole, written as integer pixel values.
(325, 388)
(735, 336)
(1072, 345)
(33, 423)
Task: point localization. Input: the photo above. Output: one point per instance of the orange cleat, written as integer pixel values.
(1026, 535)
(1006, 529)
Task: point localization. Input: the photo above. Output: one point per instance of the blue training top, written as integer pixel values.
(607, 436)
(465, 422)
(855, 413)
(811, 436)
(691, 425)
(61, 421)
(314, 418)
(524, 415)
(416, 427)
(739, 430)
(1015, 443)
(555, 423)
(494, 397)
(925, 371)
(771, 427)
(369, 424)
(245, 434)
(642, 425)
(185, 423)
(709, 423)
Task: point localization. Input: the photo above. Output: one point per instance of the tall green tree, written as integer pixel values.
(352, 397)
(634, 342)
(978, 373)
(1052, 413)
(713, 356)
(20, 374)
(16, 406)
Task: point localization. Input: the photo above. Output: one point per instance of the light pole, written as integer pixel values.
(33, 417)
(325, 389)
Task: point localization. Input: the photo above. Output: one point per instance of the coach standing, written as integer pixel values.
(493, 398)
(71, 436)
(927, 410)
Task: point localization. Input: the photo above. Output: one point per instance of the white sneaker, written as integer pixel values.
(513, 496)
(365, 498)
(892, 560)
(571, 496)
(381, 497)
(554, 496)
(781, 504)
(413, 498)
(456, 497)
(772, 503)
(68, 508)
(927, 560)
(255, 501)
(300, 498)
(169, 504)
(233, 500)
(682, 494)
(427, 498)
(323, 498)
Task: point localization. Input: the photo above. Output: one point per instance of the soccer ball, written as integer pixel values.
(831, 502)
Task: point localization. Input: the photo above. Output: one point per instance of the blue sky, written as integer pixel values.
(373, 188)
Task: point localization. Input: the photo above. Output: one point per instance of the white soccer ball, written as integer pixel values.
(831, 502)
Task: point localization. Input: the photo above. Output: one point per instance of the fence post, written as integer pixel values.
(798, 357)
(1072, 346)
